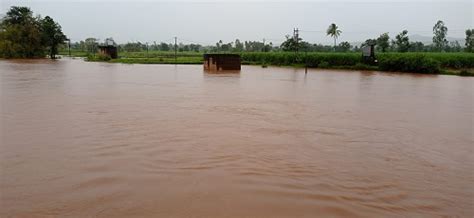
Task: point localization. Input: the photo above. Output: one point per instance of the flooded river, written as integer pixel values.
(85, 139)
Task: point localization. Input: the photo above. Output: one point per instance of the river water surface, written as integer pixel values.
(86, 139)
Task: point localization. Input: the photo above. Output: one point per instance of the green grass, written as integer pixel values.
(158, 54)
(429, 63)
(161, 60)
(74, 53)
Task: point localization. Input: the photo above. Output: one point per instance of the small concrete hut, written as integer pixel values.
(218, 62)
(109, 48)
(368, 54)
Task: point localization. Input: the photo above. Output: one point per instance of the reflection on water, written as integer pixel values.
(95, 139)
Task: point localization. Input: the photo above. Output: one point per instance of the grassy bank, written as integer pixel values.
(433, 63)
(429, 63)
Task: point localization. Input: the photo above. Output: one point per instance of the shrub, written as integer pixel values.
(466, 73)
(361, 66)
(417, 63)
(103, 57)
(323, 64)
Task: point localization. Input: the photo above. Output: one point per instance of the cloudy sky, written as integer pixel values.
(206, 22)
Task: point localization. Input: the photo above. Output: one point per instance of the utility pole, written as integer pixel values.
(296, 37)
(69, 47)
(175, 49)
(147, 50)
(264, 50)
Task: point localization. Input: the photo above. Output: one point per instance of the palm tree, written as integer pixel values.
(334, 32)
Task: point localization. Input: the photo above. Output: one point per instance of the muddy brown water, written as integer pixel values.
(85, 139)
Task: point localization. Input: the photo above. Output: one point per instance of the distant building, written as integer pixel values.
(109, 48)
(368, 54)
(217, 62)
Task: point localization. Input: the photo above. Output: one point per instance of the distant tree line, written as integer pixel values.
(401, 42)
(24, 36)
(90, 45)
(383, 43)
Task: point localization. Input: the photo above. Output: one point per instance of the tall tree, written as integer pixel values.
(20, 34)
(18, 15)
(402, 41)
(383, 42)
(470, 40)
(440, 32)
(333, 31)
(52, 36)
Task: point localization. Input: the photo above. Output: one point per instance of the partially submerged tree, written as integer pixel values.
(52, 36)
(333, 31)
(440, 32)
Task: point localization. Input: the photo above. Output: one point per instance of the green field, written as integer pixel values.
(431, 63)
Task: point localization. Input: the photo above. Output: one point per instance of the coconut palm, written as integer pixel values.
(334, 32)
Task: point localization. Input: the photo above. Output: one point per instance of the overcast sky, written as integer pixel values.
(206, 22)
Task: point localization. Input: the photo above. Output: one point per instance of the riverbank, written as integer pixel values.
(461, 64)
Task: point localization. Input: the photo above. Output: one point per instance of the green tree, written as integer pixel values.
(369, 42)
(52, 36)
(454, 47)
(219, 45)
(18, 15)
(344, 46)
(291, 44)
(254, 46)
(416, 47)
(226, 47)
(402, 41)
(91, 45)
(470, 40)
(239, 46)
(333, 31)
(383, 42)
(20, 34)
(164, 47)
(440, 32)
